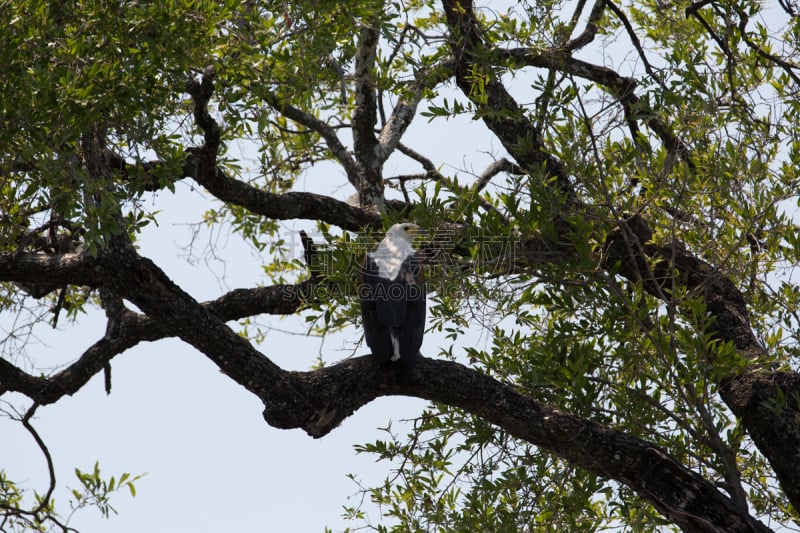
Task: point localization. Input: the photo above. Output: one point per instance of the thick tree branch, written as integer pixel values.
(201, 90)
(681, 495)
(76, 268)
(589, 32)
(125, 328)
(201, 166)
(496, 107)
(365, 117)
(140, 281)
(751, 394)
(284, 206)
(318, 401)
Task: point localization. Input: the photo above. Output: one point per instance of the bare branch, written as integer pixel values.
(288, 205)
(201, 91)
(589, 32)
(51, 472)
(788, 67)
(202, 167)
(140, 281)
(636, 43)
(76, 268)
(34, 518)
(327, 132)
(434, 174)
(127, 329)
(406, 108)
(498, 109)
(495, 168)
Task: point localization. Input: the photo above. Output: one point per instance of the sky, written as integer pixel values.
(210, 461)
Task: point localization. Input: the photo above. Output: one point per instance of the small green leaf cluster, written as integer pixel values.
(94, 492)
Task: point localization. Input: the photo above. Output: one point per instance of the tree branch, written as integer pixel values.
(201, 166)
(404, 111)
(365, 115)
(751, 394)
(51, 472)
(127, 329)
(495, 168)
(201, 91)
(335, 392)
(318, 401)
(621, 87)
(285, 206)
(498, 109)
(502, 165)
(140, 281)
(340, 152)
(788, 67)
(635, 41)
(75, 268)
(365, 118)
(589, 32)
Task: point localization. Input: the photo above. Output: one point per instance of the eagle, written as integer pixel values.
(392, 294)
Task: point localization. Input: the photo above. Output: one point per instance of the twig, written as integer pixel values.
(589, 32)
(26, 422)
(636, 44)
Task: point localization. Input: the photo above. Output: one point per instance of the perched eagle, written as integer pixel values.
(392, 296)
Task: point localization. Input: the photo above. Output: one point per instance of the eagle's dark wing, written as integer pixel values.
(376, 326)
(393, 311)
(412, 277)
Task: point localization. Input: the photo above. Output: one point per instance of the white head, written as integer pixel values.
(404, 231)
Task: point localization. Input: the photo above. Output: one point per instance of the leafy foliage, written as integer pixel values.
(94, 492)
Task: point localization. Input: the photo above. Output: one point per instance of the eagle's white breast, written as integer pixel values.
(390, 256)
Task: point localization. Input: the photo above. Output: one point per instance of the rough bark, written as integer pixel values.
(681, 495)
